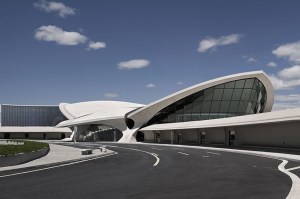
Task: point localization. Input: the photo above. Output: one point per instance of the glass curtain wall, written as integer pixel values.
(14, 115)
(241, 97)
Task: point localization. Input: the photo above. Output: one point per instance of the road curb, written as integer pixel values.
(54, 163)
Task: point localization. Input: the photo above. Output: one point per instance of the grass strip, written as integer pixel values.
(28, 146)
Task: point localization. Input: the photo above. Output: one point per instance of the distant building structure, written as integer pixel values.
(30, 115)
(32, 122)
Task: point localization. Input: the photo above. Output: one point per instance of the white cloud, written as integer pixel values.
(150, 85)
(286, 101)
(212, 43)
(272, 64)
(281, 84)
(58, 35)
(284, 106)
(287, 78)
(251, 59)
(111, 95)
(51, 6)
(179, 83)
(290, 73)
(134, 64)
(291, 51)
(96, 45)
(290, 97)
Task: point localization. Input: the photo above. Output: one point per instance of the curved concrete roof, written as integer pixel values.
(97, 112)
(142, 115)
(76, 110)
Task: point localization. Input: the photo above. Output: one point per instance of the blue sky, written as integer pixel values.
(140, 51)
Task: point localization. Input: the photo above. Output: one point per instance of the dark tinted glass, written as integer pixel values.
(237, 94)
(227, 94)
(239, 84)
(208, 94)
(241, 97)
(218, 94)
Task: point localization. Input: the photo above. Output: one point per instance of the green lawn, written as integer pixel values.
(28, 146)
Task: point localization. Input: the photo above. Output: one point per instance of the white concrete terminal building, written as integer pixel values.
(232, 110)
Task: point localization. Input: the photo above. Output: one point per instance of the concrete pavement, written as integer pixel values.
(133, 174)
(58, 154)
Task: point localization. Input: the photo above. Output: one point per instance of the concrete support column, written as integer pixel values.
(115, 138)
(75, 134)
(172, 137)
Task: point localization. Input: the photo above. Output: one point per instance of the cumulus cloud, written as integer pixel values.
(287, 78)
(96, 45)
(284, 106)
(51, 6)
(150, 85)
(290, 97)
(286, 101)
(290, 73)
(58, 35)
(291, 51)
(272, 64)
(212, 43)
(251, 59)
(133, 64)
(179, 83)
(110, 95)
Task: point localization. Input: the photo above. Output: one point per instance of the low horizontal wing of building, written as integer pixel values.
(33, 129)
(263, 118)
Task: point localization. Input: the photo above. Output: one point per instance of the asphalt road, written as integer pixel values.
(180, 173)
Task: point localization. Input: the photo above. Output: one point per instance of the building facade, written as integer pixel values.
(31, 122)
(26, 115)
(234, 110)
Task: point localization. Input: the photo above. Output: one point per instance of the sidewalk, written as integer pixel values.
(58, 154)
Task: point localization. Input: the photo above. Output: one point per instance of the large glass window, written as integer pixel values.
(241, 97)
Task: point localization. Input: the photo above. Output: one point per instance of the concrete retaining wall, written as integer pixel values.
(22, 157)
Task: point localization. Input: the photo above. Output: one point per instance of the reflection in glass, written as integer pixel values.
(241, 97)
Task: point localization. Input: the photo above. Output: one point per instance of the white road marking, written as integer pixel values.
(183, 153)
(295, 189)
(153, 154)
(157, 149)
(52, 167)
(205, 156)
(294, 168)
(213, 153)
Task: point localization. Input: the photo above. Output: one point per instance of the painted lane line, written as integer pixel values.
(183, 153)
(294, 168)
(213, 153)
(52, 167)
(153, 154)
(205, 156)
(295, 189)
(157, 149)
(177, 148)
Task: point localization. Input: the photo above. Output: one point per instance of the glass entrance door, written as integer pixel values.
(231, 138)
(202, 137)
(157, 137)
